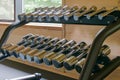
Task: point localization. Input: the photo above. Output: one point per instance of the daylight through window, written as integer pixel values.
(29, 5)
(7, 10)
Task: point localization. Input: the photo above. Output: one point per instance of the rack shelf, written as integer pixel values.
(60, 71)
(114, 16)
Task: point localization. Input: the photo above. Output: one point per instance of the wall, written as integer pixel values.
(17, 34)
(89, 3)
(87, 32)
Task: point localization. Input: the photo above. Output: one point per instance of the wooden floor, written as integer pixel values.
(17, 34)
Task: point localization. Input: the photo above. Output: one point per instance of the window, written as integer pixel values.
(11, 8)
(7, 10)
(31, 4)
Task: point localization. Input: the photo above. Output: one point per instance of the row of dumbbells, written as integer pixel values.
(55, 51)
(65, 13)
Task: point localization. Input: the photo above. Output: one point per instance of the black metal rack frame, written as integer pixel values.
(95, 48)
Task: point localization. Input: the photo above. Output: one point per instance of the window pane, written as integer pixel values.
(31, 4)
(6, 9)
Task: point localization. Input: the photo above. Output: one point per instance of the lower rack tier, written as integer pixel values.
(61, 56)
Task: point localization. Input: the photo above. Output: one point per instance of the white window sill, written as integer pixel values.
(46, 24)
(6, 22)
(38, 24)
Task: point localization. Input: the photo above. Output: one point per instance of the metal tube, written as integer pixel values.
(36, 76)
(106, 70)
(8, 30)
(95, 48)
(2, 57)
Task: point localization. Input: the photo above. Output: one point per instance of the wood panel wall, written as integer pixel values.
(18, 33)
(99, 3)
(88, 32)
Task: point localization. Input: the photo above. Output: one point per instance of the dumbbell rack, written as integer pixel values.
(112, 23)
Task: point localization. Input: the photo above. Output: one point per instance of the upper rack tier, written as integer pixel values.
(72, 15)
